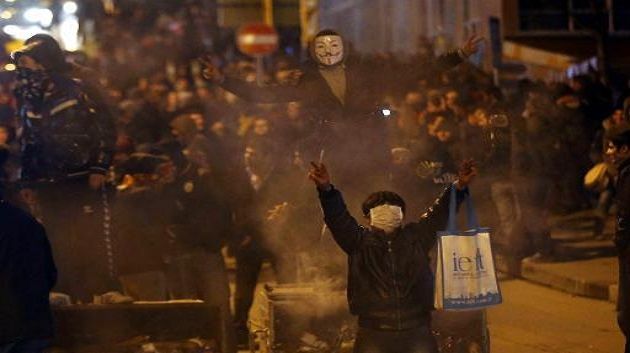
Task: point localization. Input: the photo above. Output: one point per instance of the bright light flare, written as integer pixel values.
(6, 15)
(70, 7)
(22, 33)
(11, 30)
(39, 15)
(69, 33)
(10, 67)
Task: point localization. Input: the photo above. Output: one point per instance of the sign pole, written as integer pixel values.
(268, 12)
(259, 70)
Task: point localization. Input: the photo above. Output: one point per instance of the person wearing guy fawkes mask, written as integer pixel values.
(333, 84)
(390, 282)
(339, 92)
(67, 147)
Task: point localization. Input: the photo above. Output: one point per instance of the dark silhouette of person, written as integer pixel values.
(27, 274)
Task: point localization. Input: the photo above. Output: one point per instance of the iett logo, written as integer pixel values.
(467, 264)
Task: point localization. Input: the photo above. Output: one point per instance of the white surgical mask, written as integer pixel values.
(328, 50)
(386, 217)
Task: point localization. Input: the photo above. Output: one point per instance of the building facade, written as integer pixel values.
(282, 13)
(396, 26)
(585, 31)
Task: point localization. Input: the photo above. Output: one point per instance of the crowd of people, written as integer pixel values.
(162, 159)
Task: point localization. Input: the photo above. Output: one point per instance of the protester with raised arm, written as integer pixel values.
(390, 282)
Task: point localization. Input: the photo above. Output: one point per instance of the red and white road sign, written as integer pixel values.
(257, 39)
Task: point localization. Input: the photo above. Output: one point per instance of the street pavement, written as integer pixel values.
(583, 265)
(537, 319)
(594, 278)
(561, 315)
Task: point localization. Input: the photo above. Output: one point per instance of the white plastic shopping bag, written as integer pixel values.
(465, 276)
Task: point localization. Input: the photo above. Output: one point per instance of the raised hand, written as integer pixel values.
(471, 46)
(209, 71)
(466, 174)
(319, 175)
(294, 77)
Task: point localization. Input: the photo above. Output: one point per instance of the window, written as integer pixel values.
(582, 15)
(573, 15)
(543, 15)
(621, 15)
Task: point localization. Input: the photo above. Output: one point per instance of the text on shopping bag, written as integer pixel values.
(469, 277)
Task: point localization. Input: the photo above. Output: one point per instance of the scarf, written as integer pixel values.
(32, 86)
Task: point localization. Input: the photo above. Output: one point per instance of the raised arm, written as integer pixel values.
(345, 229)
(251, 92)
(455, 57)
(267, 94)
(436, 217)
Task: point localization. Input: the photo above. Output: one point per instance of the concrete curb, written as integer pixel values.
(588, 278)
(613, 293)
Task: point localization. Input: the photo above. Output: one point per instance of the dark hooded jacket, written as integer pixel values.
(53, 55)
(65, 135)
(202, 217)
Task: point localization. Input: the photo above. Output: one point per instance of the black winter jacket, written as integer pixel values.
(27, 274)
(622, 199)
(67, 137)
(203, 214)
(390, 282)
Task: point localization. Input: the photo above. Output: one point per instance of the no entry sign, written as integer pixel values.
(257, 39)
